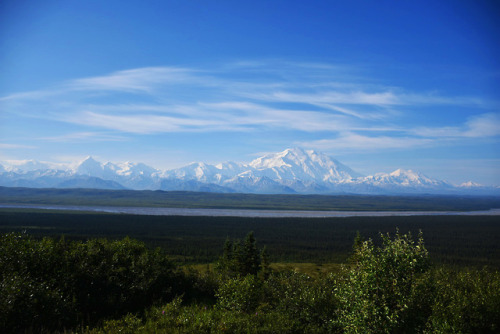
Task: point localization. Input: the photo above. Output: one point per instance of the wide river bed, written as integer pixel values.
(246, 213)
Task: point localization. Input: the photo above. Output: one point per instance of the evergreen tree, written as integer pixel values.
(240, 258)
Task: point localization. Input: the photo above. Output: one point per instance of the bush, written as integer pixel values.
(33, 294)
(112, 278)
(466, 302)
(311, 304)
(51, 285)
(240, 294)
(387, 290)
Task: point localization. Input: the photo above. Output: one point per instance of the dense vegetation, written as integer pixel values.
(451, 240)
(102, 286)
(186, 199)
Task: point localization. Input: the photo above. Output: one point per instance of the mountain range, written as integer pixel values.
(292, 171)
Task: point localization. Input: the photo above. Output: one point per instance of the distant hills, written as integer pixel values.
(292, 171)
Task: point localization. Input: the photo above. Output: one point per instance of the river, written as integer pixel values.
(245, 213)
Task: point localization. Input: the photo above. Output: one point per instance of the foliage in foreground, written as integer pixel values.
(48, 284)
(386, 289)
(391, 288)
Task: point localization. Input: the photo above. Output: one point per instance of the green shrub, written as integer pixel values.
(240, 294)
(386, 290)
(32, 291)
(112, 278)
(311, 304)
(466, 301)
(51, 285)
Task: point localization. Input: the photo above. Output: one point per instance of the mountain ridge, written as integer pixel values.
(292, 171)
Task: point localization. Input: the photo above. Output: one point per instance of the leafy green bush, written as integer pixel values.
(32, 285)
(466, 301)
(176, 318)
(50, 285)
(311, 304)
(111, 278)
(386, 291)
(240, 294)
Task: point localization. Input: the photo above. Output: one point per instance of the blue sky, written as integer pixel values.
(379, 85)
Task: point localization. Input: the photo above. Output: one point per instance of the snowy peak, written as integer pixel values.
(299, 164)
(411, 177)
(404, 178)
(135, 169)
(231, 167)
(90, 167)
(288, 158)
(408, 176)
(195, 171)
(470, 184)
(28, 166)
(293, 170)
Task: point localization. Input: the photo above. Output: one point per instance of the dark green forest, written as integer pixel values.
(451, 240)
(387, 285)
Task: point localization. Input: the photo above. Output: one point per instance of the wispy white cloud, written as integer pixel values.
(15, 146)
(479, 126)
(84, 137)
(353, 141)
(32, 95)
(485, 125)
(323, 99)
(209, 117)
(136, 80)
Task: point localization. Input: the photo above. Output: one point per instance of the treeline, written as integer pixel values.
(451, 240)
(189, 199)
(102, 286)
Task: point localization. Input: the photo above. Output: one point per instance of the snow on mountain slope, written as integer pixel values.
(258, 185)
(90, 167)
(28, 166)
(401, 181)
(203, 172)
(403, 177)
(291, 171)
(128, 174)
(131, 169)
(306, 166)
(470, 184)
(198, 171)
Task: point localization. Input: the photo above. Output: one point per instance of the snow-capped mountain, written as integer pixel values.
(405, 181)
(306, 166)
(87, 174)
(292, 171)
(28, 165)
(470, 184)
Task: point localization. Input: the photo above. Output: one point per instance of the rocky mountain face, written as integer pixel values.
(291, 171)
